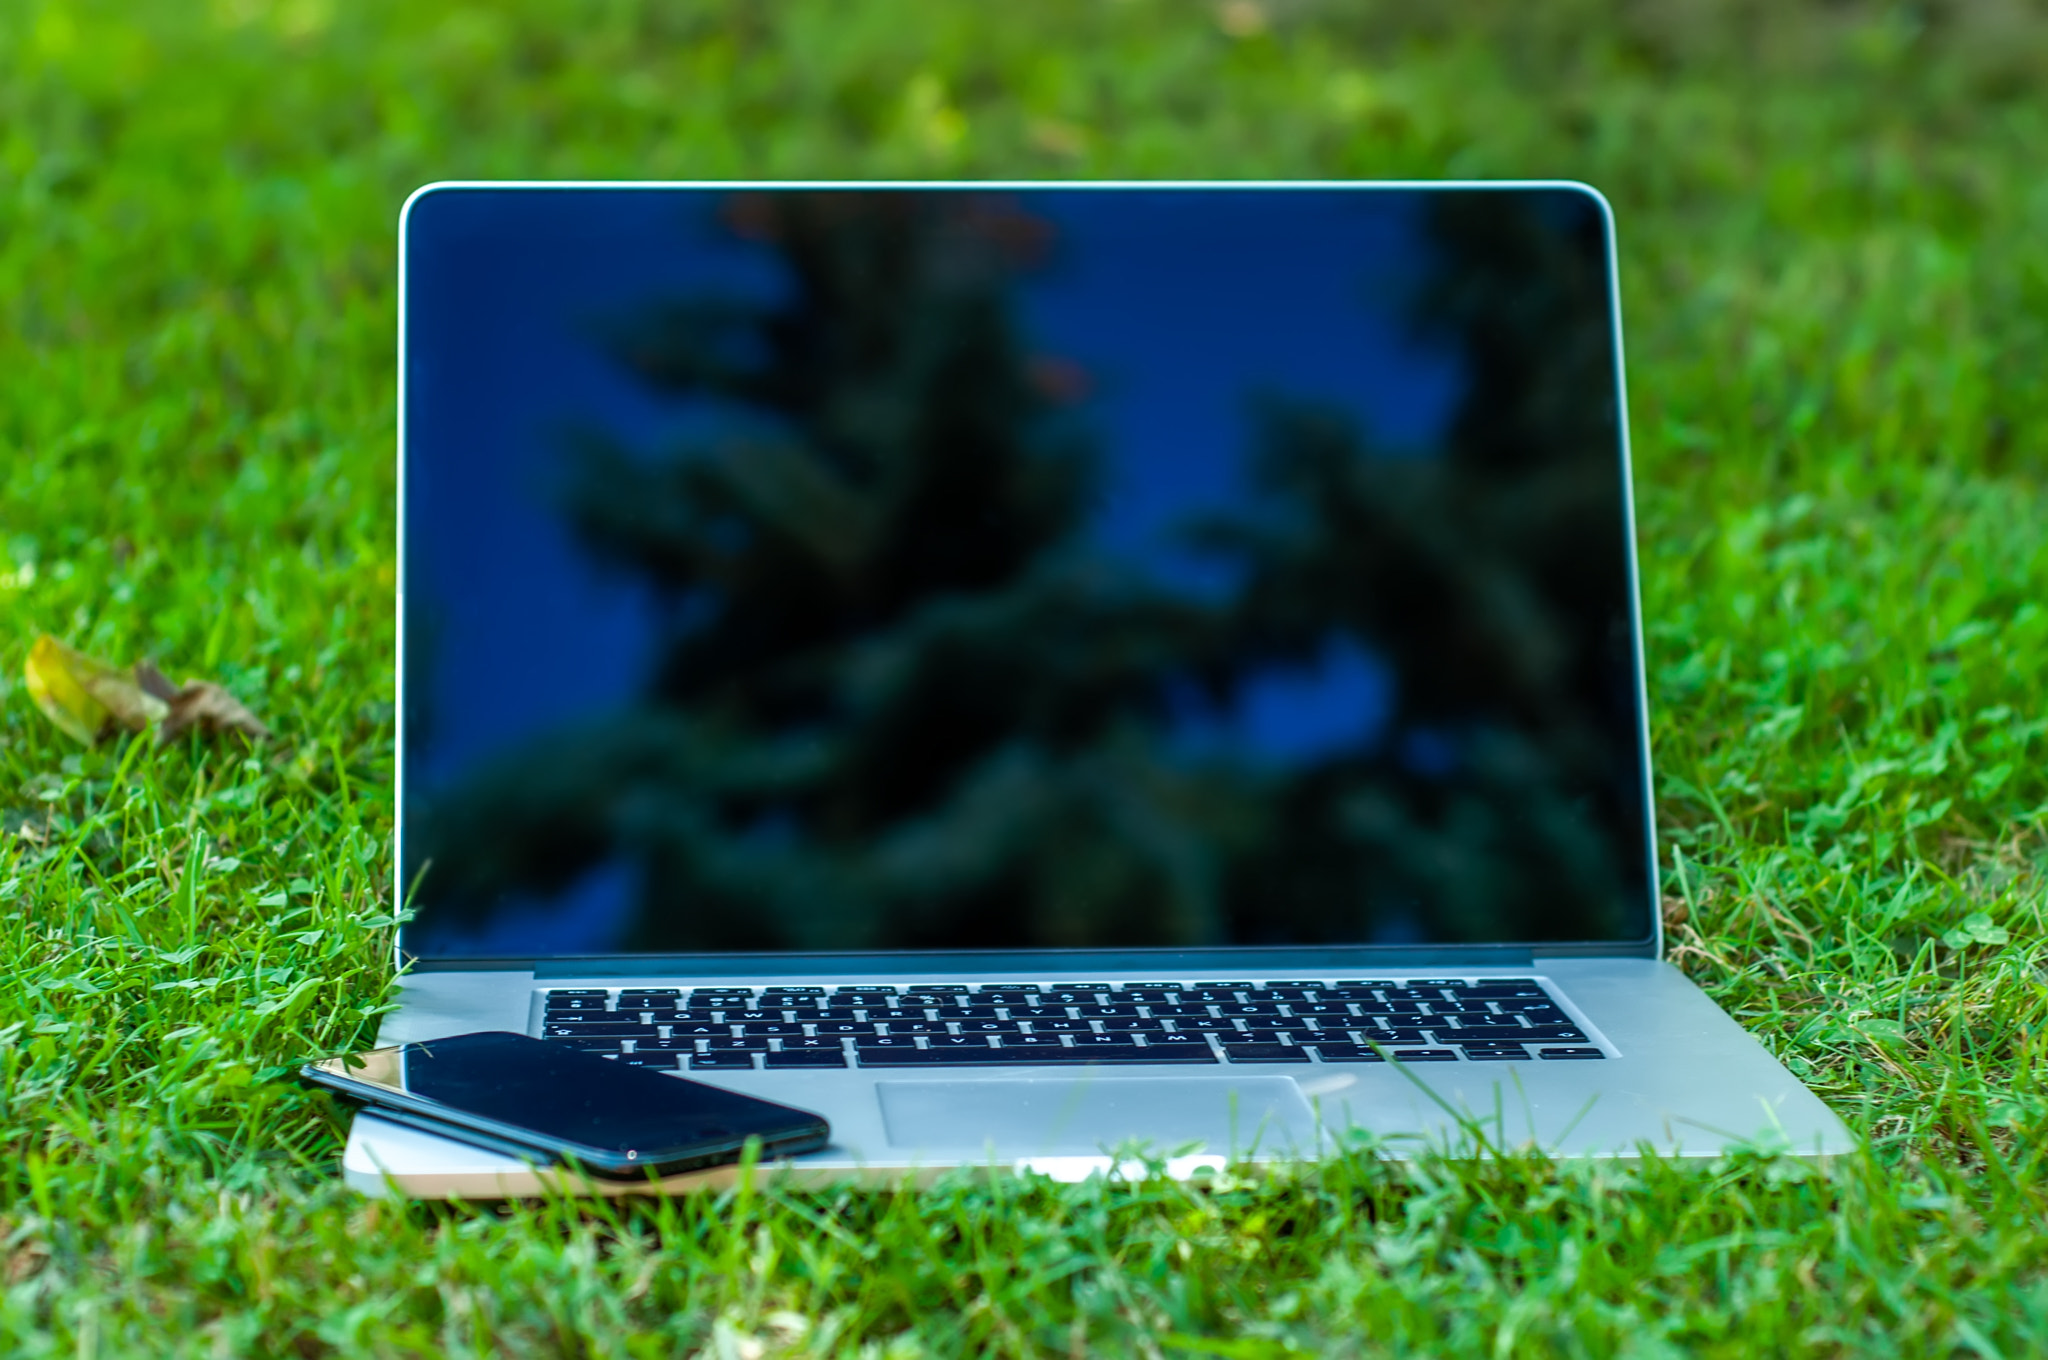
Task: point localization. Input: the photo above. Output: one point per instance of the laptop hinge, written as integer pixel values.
(1029, 964)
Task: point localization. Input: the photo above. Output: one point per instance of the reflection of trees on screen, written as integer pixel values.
(900, 704)
(897, 703)
(1488, 578)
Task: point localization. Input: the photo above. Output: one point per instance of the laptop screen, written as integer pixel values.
(975, 568)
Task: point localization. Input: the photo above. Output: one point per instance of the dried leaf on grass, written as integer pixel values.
(90, 699)
(197, 703)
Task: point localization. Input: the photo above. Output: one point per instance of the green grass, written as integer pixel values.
(1837, 307)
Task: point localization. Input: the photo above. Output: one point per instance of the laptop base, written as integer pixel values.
(1681, 1080)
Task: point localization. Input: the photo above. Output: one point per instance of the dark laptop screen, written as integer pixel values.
(913, 569)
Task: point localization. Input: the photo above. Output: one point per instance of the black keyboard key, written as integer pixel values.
(1199, 1011)
(1452, 1034)
(1392, 1036)
(914, 1027)
(1555, 1033)
(1320, 1008)
(1132, 1024)
(600, 1044)
(750, 1044)
(682, 1045)
(1220, 995)
(1264, 1053)
(1099, 1012)
(1206, 1024)
(558, 1004)
(1257, 1034)
(1030, 1041)
(1426, 1054)
(1546, 1019)
(989, 1026)
(775, 1027)
(1225, 986)
(1516, 992)
(965, 1012)
(925, 1000)
(844, 1027)
(1064, 1025)
(806, 1057)
(719, 996)
(899, 1013)
(1334, 1052)
(1249, 1009)
(1175, 1040)
(954, 1043)
(1005, 996)
(722, 1062)
(699, 1028)
(1143, 995)
(1389, 1008)
(653, 1062)
(650, 998)
(1528, 1006)
(924, 1057)
(1067, 996)
(1569, 1053)
(793, 991)
(887, 1041)
(823, 1014)
(862, 999)
(1435, 983)
(599, 992)
(1459, 1008)
(592, 1020)
(1495, 1052)
(812, 1044)
(1279, 994)
(1038, 1013)
(607, 1029)
(1100, 1040)
(1066, 1057)
(758, 1014)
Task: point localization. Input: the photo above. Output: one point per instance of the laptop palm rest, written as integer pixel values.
(1093, 1114)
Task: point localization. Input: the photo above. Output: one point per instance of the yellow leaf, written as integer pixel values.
(85, 697)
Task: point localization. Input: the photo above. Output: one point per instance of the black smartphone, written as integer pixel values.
(552, 1103)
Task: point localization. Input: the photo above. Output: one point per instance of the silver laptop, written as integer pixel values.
(1041, 674)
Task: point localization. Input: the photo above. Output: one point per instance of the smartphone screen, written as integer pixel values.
(616, 1120)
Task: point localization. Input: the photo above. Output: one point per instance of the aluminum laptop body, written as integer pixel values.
(1041, 674)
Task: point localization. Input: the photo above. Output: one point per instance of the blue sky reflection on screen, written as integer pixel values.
(1178, 318)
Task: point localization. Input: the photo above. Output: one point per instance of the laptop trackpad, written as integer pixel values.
(1090, 1114)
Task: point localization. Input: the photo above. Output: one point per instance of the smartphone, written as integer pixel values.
(548, 1102)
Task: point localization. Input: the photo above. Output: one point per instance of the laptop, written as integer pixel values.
(1044, 675)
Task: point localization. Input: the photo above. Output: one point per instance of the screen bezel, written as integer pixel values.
(1036, 961)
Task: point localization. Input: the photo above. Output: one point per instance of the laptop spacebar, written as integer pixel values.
(1033, 1057)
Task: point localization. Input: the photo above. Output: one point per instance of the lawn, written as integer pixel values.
(1836, 300)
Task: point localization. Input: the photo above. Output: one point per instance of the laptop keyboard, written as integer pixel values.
(1069, 1023)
